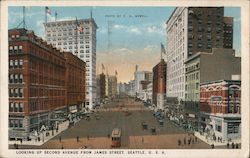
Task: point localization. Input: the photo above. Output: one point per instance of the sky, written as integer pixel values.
(134, 36)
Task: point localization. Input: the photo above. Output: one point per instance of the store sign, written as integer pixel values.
(216, 98)
(191, 115)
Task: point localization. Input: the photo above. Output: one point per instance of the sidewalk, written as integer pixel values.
(216, 143)
(63, 126)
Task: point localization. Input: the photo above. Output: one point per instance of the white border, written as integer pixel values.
(243, 152)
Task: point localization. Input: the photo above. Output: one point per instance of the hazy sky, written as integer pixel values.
(134, 37)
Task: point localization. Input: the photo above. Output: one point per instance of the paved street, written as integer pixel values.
(94, 133)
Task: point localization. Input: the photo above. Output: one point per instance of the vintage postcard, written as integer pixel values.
(124, 79)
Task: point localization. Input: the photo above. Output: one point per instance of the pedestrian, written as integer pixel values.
(232, 145)
(184, 141)
(179, 142)
(227, 145)
(77, 138)
(221, 139)
(212, 146)
(60, 139)
(236, 146)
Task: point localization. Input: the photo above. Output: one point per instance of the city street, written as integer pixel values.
(94, 133)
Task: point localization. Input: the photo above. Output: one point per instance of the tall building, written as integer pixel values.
(221, 108)
(141, 76)
(39, 83)
(67, 36)
(159, 84)
(191, 30)
(131, 88)
(102, 86)
(112, 86)
(199, 70)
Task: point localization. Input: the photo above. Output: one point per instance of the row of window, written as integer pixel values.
(66, 29)
(209, 29)
(16, 123)
(16, 107)
(15, 49)
(15, 78)
(15, 92)
(18, 63)
(65, 34)
(70, 43)
(70, 38)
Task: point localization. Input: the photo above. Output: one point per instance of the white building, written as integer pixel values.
(176, 52)
(141, 76)
(149, 92)
(131, 91)
(65, 36)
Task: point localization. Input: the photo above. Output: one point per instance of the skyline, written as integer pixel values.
(142, 30)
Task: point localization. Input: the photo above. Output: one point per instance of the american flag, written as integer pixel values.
(80, 27)
(163, 49)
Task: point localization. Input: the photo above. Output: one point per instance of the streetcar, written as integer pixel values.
(116, 137)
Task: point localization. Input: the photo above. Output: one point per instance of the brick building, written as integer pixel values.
(159, 83)
(101, 87)
(112, 86)
(75, 82)
(39, 86)
(220, 103)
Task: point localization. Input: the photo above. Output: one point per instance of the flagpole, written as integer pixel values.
(45, 14)
(55, 16)
(161, 54)
(24, 25)
(76, 35)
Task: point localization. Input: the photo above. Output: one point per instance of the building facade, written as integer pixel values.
(159, 84)
(191, 30)
(141, 76)
(43, 83)
(204, 67)
(36, 82)
(75, 82)
(112, 86)
(102, 86)
(131, 86)
(66, 36)
(228, 32)
(221, 108)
